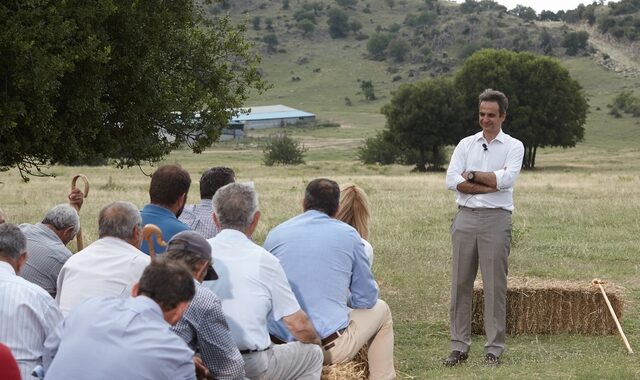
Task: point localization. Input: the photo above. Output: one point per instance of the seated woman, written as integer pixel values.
(354, 210)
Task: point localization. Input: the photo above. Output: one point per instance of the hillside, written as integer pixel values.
(316, 72)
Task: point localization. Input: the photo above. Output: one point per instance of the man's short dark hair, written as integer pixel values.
(12, 241)
(215, 178)
(168, 183)
(322, 194)
(490, 95)
(167, 283)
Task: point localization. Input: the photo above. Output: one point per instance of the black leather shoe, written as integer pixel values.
(491, 359)
(455, 358)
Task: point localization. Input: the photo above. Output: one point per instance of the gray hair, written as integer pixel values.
(118, 219)
(235, 205)
(62, 217)
(490, 95)
(12, 241)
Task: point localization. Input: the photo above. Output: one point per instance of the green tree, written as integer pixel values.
(338, 22)
(425, 116)
(575, 41)
(109, 78)
(255, 21)
(377, 45)
(398, 49)
(281, 149)
(306, 25)
(525, 13)
(547, 108)
(367, 90)
(271, 40)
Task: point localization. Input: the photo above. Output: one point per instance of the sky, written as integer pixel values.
(540, 5)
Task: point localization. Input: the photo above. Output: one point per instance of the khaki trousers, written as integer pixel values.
(373, 326)
(480, 236)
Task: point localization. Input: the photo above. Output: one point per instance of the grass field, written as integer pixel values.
(576, 218)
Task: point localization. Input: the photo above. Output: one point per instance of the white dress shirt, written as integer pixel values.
(503, 156)
(252, 284)
(107, 267)
(27, 315)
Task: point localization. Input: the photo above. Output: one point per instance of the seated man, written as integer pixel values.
(252, 286)
(168, 193)
(126, 338)
(199, 217)
(326, 265)
(110, 265)
(203, 326)
(27, 312)
(46, 244)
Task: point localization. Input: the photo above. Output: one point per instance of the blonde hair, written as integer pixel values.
(354, 209)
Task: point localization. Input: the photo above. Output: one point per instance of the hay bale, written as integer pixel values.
(547, 306)
(355, 369)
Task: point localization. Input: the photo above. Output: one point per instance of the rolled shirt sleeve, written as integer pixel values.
(506, 177)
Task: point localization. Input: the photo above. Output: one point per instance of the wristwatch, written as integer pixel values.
(471, 177)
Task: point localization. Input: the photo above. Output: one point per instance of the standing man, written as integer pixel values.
(168, 194)
(108, 338)
(199, 217)
(252, 286)
(28, 314)
(110, 265)
(325, 262)
(203, 326)
(46, 244)
(482, 172)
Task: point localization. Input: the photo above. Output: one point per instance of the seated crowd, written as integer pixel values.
(211, 305)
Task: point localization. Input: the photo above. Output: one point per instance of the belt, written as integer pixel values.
(327, 342)
(248, 351)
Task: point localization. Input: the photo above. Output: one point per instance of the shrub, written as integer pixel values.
(281, 149)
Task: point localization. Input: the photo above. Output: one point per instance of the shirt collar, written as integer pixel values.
(5, 267)
(500, 137)
(205, 202)
(156, 209)
(143, 303)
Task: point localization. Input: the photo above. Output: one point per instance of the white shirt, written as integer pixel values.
(28, 315)
(503, 156)
(107, 267)
(251, 284)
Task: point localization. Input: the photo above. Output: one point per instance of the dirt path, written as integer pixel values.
(623, 58)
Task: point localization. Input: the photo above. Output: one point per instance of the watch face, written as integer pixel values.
(471, 177)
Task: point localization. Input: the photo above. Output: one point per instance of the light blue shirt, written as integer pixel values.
(326, 265)
(166, 220)
(116, 338)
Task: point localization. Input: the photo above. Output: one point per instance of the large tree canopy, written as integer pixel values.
(546, 106)
(425, 117)
(117, 79)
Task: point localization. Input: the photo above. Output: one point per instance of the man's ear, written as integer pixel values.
(216, 220)
(201, 271)
(22, 259)
(254, 223)
(135, 290)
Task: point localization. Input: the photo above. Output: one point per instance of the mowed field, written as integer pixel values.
(577, 218)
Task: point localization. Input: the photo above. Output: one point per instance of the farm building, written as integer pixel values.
(272, 117)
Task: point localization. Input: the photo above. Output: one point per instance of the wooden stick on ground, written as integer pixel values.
(86, 192)
(599, 282)
(147, 234)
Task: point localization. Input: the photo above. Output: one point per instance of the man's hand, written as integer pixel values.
(76, 197)
(202, 372)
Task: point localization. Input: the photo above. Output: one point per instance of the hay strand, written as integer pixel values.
(355, 369)
(547, 306)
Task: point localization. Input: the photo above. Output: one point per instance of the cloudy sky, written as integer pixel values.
(539, 5)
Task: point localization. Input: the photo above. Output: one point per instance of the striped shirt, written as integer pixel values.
(204, 328)
(27, 315)
(47, 255)
(200, 218)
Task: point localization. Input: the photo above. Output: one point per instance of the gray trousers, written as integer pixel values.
(480, 236)
(293, 360)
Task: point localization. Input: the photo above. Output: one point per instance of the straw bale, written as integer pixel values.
(548, 306)
(355, 369)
